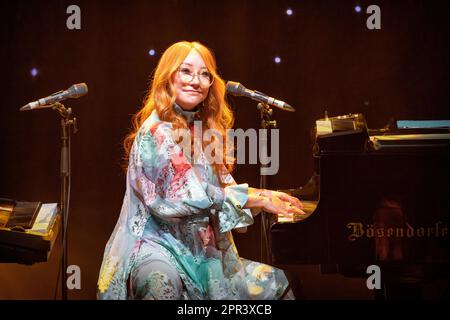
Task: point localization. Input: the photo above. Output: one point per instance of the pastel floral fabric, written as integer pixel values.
(178, 207)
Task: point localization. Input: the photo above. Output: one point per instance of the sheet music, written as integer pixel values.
(45, 217)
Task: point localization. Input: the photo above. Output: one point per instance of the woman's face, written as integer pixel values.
(191, 81)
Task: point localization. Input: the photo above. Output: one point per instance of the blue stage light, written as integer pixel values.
(34, 72)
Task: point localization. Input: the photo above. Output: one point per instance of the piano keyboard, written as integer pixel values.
(34, 244)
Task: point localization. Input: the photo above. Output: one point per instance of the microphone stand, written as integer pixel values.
(67, 122)
(266, 123)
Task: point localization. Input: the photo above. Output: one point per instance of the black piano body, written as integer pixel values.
(373, 200)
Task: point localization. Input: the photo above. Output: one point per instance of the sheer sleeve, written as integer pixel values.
(232, 214)
(166, 182)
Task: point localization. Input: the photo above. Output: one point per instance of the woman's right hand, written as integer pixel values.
(274, 202)
(280, 203)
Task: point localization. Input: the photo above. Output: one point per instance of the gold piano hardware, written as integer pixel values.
(358, 231)
(347, 122)
(408, 140)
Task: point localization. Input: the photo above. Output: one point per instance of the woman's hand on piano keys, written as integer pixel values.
(274, 202)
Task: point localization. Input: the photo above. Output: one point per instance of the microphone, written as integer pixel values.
(75, 91)
(237, 89)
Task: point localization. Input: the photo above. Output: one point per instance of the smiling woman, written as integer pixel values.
(191, 87)
(173, 238)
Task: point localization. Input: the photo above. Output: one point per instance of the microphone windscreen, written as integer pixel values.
(235, 88)
(78, 90)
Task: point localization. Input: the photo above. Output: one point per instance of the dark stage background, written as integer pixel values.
(329, 61)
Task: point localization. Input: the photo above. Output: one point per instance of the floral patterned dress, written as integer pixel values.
(178, 207)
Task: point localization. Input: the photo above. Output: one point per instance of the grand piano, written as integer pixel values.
(377, 197)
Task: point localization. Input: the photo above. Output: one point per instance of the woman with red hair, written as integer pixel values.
(173, 238)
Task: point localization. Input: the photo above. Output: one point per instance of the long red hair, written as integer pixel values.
(214, 114)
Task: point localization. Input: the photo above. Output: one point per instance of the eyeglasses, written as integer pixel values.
(187, 75)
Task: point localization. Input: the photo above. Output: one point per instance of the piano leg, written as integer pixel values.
(295, 285)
